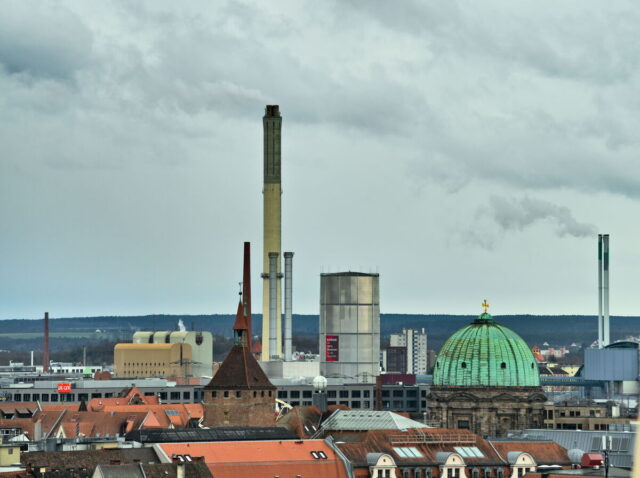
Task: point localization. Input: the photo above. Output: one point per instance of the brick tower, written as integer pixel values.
(240, 394)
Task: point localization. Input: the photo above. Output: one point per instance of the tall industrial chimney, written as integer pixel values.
(273, 279)
(272, 226)
(45, 353)
(605, 289)
(604, 337)
(288, 276)
(600, 321)
(246, 292)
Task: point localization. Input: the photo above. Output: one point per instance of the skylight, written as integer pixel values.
(469, 451)
(172, 413)
(407, 452)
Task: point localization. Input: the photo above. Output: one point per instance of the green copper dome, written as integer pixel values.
(484, 353)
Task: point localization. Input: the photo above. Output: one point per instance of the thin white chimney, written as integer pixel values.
(288, 289)
(273, 302)
(600, 321)
(605, 286)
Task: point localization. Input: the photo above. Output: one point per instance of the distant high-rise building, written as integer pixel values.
(415, 342)
(396, 360)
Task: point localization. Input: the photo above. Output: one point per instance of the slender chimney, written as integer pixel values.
(600, 320)
(273, 301)
(246, 292)
(32, 358)
(272, 226)
(45, 354)
(288, 271)
(605, 290)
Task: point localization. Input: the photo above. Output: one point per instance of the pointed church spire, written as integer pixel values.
(240, 328)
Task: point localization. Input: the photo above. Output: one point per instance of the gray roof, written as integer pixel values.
(372, 458)
(590, 441)
(443, 456)
(512, 457)
(351, 420)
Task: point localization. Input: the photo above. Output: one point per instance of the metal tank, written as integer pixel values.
(350, 326)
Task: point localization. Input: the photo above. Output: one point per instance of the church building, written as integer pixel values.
(486, 380)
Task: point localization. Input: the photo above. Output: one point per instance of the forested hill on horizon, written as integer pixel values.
(535, 330)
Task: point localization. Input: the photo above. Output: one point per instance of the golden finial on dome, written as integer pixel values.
(485, 306)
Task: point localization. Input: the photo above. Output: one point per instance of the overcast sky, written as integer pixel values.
(465, 150)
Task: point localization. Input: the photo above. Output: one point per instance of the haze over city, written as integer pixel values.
(461, 150)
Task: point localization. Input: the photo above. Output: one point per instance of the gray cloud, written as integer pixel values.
(43, 40)
(131, 133)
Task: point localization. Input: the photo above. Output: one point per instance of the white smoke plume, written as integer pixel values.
(181, 326)
(518, 214)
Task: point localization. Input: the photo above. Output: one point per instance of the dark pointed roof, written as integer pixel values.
(240, 371)
(241, 319)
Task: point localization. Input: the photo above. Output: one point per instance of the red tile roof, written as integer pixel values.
(543, 452)
(262, 459)
(428, 441)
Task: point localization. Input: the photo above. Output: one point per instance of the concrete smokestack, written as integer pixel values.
(600, 319)
(272, 226)
(246, 292)
(45, 353)
(288, 276)
(273, 279)
(605, 290)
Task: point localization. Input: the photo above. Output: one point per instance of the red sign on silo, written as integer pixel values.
(331, 348)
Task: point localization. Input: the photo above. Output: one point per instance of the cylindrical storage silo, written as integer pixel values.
(350, 325)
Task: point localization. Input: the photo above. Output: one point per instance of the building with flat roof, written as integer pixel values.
(152, 360)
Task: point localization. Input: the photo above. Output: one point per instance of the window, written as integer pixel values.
(355, 404)
(306, 394)
(412, 393)
(214, 394)
(96, 395)
(36, 397)
(17, 397)
(26, 397)
(238, 394)
(186, 395)
(468, 452)
(54, 397)
(463, 424)
(282, 393)
(365, 393)
(366, 404)
(355, 394)
(464, 364)
(475, 473)
(385, 393)
(397, 393)
(405, 473)
(295, 394)
(162, 395)
(331, 394)
(226, 394)
(499, 473)
(407, 452)
(175, 395)
(344, 393)
(45, 397)
(503, 365)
